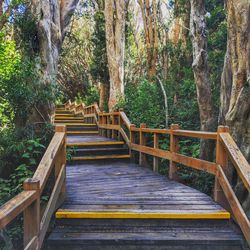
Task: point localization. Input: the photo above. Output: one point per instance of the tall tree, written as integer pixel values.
(99, 65)
(115, 15)
(201, 73)
(235, 81)
(53, 18)
(149, 16)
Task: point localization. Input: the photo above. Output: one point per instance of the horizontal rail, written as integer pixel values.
(46, 164)
(234, 203)
(12, 208)
(206, 166)
(196, 134)
(239, 161)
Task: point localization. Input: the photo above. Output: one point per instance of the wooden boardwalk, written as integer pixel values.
(101, 199)
(113, 203)
(102, 189)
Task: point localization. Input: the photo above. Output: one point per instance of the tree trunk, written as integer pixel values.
(149, 16)
(115, 45)
(201, 74)
(235, 84)
(53, 18)
(104, 95)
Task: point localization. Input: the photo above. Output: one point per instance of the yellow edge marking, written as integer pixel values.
(81, 124)
(131, 215)
(82, 132)
(95, 143)
(100, 157)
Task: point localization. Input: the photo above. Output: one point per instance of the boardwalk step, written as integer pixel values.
(101, 151)
(80, 124)
(99, 157)
(100, 143)
(70, 121)
(145, 234)
(83, 132)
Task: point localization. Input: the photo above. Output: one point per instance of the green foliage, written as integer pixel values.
(98, 66)
(143, 105)
(27, 154)
(91, 97)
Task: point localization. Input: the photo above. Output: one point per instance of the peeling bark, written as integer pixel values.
(149, 16)
(53, 18)
(115, 13)
(201, 74)
(235, 83)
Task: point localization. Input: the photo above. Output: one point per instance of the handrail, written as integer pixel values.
(237, 158)
(28, 201)
(110, 125)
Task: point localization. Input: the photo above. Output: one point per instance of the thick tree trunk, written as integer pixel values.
(201, 74)
(53, 18)
(149, 16)
(115, 43)
(235, 84)
(104, 95)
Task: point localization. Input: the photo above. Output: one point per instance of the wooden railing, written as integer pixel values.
(117, 125)
(28, 201)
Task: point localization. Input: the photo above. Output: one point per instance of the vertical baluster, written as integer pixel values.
(142, 156)
(31, 215)
(113, 123)
(174, 147)
(132, 140)
(222, 160)
(60, 160)
(156, 159)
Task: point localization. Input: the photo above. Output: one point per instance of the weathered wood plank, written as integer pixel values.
(11, 209)
(239, 161)
(236, 207)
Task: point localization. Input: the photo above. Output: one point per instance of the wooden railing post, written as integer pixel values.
(113, 123)
(60, 161)
(156, 159)
(142, 156)
(31, 215)
(132, 140)
(174, 147)
(222, 160)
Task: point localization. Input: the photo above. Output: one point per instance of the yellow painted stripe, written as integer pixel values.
(81, 124)
(100, 143)
(100, 157)
(81, 132)
(134, 215)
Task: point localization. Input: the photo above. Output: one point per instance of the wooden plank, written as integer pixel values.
(237, 158)
(196, 134)
(142, 156)
(33, 244)
(203, 165)
(174, 147)
(140, 215)
(234, 203)
(156, 159)
(31, 214)
(110, 126)
(222, 160)
(125, 137)
(152, 151)
(100, 157)
(51, 205)
(125, 119)
(150, 130)
(209, 167)
(46, 164)
(95, 143)
(12, 208)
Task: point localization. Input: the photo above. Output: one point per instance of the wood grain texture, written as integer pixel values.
(123, 190)
(239, 161)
